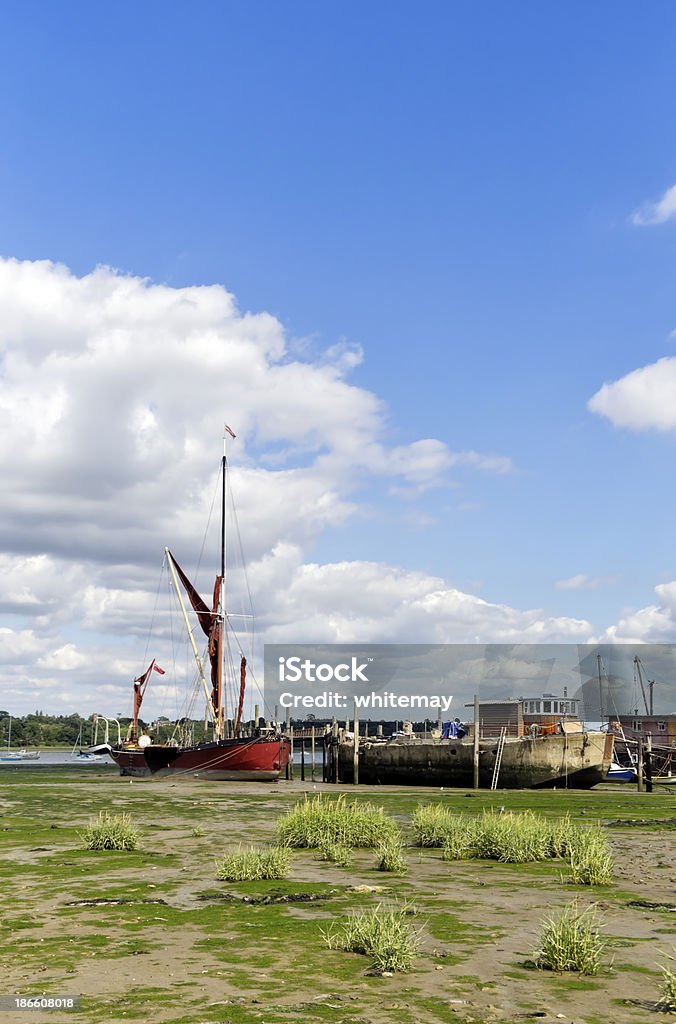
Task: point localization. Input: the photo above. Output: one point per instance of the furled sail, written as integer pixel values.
(211, 625)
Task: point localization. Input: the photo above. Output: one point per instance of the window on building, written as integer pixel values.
(547, 707)
(637, 725)
(661, 726)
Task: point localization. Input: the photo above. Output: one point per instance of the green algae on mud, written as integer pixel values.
(241, 952)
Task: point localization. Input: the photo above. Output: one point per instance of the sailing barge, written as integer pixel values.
(260, 756)
(523, 744)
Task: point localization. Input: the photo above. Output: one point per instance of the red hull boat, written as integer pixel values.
(257, 759)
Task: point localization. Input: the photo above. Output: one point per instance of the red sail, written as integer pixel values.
(140, 684)
(211, 626)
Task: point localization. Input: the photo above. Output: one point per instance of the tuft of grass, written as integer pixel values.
(591, 862)
(390, 855)
(336, 853)
(110, 832)
(384, 935)
(253, 864)
(571, 942)
(668, 997)
(513, 838)
(432, 824)
(197, 831)
(314, 823)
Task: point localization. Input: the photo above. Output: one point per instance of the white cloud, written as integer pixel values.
(656, 623)
(658, 211)
(113, 394)
(641, 400)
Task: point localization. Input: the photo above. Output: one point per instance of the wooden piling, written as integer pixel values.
(312, 752)
(639, 769)
(648, 764)
(475, 773)
(355, 777)
(302, 759)
(334, 751)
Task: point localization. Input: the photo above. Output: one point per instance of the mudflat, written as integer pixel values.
(152, 935)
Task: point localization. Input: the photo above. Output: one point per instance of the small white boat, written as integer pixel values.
(618, 773)
(81, 756)
(20, 755)
(17, 755)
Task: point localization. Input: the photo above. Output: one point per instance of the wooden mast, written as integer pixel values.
(227, 432)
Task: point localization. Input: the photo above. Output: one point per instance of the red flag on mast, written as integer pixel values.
(230, 431)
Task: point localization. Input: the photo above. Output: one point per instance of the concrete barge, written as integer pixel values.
(576, 760)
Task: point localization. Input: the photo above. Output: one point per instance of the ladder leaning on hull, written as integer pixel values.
(498, 757)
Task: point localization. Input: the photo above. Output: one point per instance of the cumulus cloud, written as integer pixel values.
(656, 211)
(641, 400)
(656, 623)
(113, 394)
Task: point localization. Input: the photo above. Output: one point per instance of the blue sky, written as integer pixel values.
(450, 187)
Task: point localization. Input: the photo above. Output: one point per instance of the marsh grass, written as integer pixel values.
(384, 935)
(591, 862)
(390, 855)
(667, 1000)
(314, 823)
(110, 832)
(571, 942)
(512, 838)
(335, 853)
(432, 824)
(253, 864)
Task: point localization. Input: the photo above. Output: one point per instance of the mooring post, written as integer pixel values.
(302, 759)
(312, 752)
(648, 764)
(291, 758)
(475, 773)
(334, 751)
(355, 776)
(379, 729)
(639, 776)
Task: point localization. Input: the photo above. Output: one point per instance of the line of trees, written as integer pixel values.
(41, 730)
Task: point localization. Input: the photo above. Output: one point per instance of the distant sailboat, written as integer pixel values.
(81, 756)
(17, 755)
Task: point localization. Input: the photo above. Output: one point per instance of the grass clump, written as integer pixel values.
(336, 853)
(591, 862)
(513, 838)
(253, 864)
(314, 823)
(390, 855)
(432, 824)
(110, 832)
(571, 942)
(384, 935)
(668, 998)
